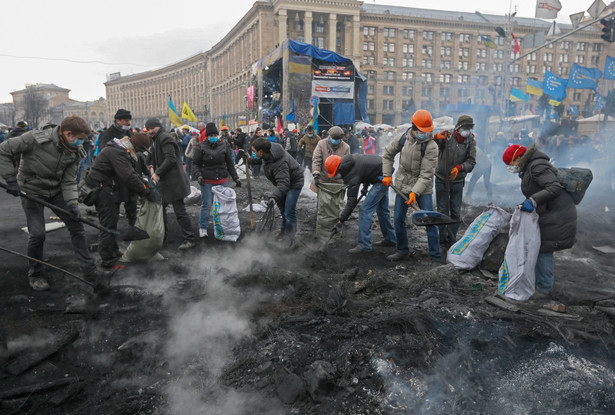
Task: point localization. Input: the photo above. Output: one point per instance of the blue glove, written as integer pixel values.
(527, 205)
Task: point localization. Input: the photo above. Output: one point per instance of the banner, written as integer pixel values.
(173, 117)
(609, 68)
(250, 95)
(584, 78)
(516, 47)
(331, 80)
(291, 115)
(547, 9)
(187, 113)
(555, 87)
(534, 87)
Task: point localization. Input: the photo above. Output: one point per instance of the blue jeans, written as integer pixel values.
(207, 200)
(456, 194)
(544, 272)
(401, 233)
(288, 207)
(377, 199)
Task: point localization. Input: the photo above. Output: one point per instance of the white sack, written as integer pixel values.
(224, 212)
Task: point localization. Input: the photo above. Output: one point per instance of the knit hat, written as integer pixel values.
(464, 120)
(512, 153)
(210, 129)
(141, 142)
(336, 132)
(122, 114)
(152, 123)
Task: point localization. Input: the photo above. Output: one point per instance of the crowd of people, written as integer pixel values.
(67, 164)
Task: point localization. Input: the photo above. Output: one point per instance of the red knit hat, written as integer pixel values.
(513, 152)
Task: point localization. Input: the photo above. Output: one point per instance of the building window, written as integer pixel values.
(372, 60)
(445, 92)
(579, 59)
(597, 47)
(409, 34)
(427, 50)
(407, 76)
(565, 45)
(595, 60)
(462, 66)
(445, 78)
(425, 92)
(370, 89)
(464, 37)
(427, 77)
(365, 46)
(364, 60)
(426, 63)
(370, 104)
(319, 42)
(389, 75)
(408, 48)
(447, 36)
(581, 45)
(371, 74)
(427, 35)
(320, 28)
(389, 47)
(576, 96)
(389, 32)
(406, 91)
(563, 58)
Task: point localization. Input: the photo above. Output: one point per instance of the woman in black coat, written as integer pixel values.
(212, 164)
(554, 205)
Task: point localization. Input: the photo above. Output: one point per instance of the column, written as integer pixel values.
(307, 27)
(356, 41)
(282, 18)
(333, 32)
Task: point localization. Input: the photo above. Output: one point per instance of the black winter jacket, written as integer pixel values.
(113, 166)
(283, 171)
(554, 205)
(110, 133)
(164, 156)
(357, 169)
(214, 161)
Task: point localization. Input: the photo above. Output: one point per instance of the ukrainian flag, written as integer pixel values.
(534, 87)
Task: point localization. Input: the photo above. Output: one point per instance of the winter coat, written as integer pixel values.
(415, 173)
(115, 131)
(283, 171)
(369, 145)
(192, 145)
(16, 132)
(164, 156)
(240, 141)
(115, 165)
(453, 153)
(291, 143)
(46, 169)
(357, 169)
(324, 149)
(353, 142)
(309, 143)
(554, 205)
(214, 161)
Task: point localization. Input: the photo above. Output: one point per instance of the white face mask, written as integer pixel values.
(513, 169)
(465, 133)
(125, 127)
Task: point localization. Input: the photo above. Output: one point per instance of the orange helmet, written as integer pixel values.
(332, 163)
(224, 128)
(422, 120)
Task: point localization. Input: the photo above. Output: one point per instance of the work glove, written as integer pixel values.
(527, 205)
(317, 180)
(442, 135)
(12, 186)
(75, 211)
(387, 180)
(200, 180)
(271, 202)
(411, 199)
(454, 172)
(237, 183)
(338, 227)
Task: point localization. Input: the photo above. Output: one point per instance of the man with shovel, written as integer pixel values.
(418, 155)
(48, 170)
(366, 169)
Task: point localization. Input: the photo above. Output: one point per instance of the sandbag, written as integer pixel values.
(468, 252)
(151, 221)
(224, 212)
(516, 275)
(330, 204)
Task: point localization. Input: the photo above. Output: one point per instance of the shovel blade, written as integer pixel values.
(132, 233)
(428, 218)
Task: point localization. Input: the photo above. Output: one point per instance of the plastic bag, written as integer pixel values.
(150, 220)
(224, 212)
(330, 204)
(468, 252)
(516, 275)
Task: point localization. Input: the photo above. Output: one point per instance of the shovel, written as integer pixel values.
(130, 234)
(425, 217)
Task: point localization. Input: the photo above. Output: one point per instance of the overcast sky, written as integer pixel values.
(121, 35)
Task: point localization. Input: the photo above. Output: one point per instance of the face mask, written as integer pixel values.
(77, 142)
(513, 169)
(310, 135)
(125, 127)
(212, 139)
(254, 156)
(334, 141)
(421, 136)
(465, 133)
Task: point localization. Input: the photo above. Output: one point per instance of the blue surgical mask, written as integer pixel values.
(334, 141)
(212, 140)
(421, 136)
(77, 142)
(310, 135)
(254, 156)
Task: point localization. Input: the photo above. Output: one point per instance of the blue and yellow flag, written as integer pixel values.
(584, 78)
(488, 42)
(517, 95)
(534, 87)
(555, 87)
(173, 114)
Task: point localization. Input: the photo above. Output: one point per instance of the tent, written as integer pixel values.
(291, 76)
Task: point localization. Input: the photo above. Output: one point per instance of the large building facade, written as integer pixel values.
(413, 58)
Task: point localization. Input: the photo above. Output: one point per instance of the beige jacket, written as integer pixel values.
(324, 149)
(310, 145)
(415, 173)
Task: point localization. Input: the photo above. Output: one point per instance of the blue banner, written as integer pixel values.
(599, 102)
(584, 78)
(609, 68)
(291, 115)
(555, 86)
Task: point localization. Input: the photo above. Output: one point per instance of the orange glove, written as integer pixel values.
(454, 172)
(387, 180)
(411, 199)
(442, 135)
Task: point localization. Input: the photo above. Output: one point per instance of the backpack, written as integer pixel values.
(402, 141)
(575, 180)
